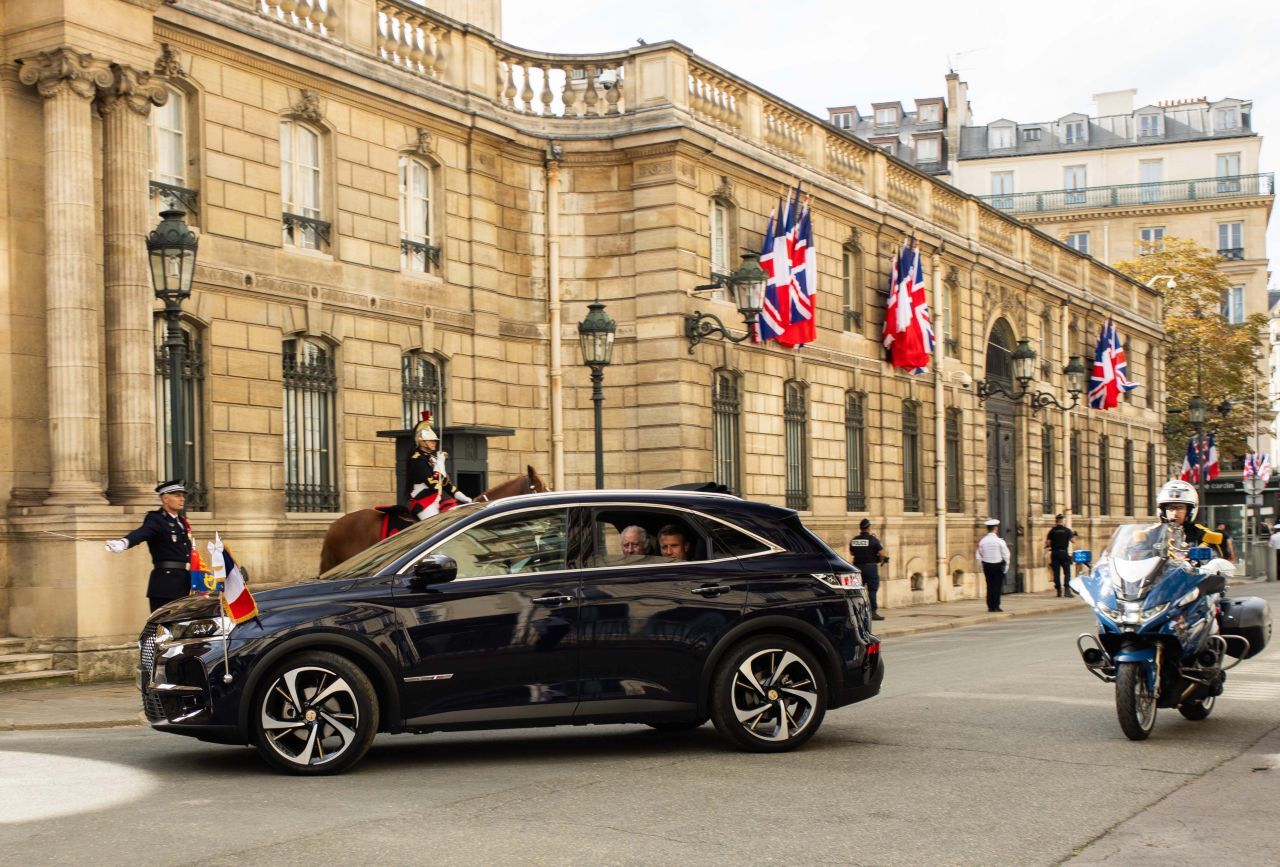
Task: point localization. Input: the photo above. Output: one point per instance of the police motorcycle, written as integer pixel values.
(1167, 634)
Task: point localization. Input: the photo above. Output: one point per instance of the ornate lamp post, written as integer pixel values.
(1024, 371)
(596, 332)
(747, 285)
(171, 247)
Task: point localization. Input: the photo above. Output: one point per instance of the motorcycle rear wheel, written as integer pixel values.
(1135, 702)
(1197, 709)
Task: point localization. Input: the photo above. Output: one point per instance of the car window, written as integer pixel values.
(728, 542)
(624, 537)
(520, 543)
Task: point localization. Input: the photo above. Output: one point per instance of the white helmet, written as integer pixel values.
(1177, 491)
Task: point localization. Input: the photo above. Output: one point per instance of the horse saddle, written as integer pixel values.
(394, 519)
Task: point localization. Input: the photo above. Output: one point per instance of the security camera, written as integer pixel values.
(966, 381)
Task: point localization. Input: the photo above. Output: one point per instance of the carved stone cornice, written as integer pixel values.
(63, 70)
(133, 89)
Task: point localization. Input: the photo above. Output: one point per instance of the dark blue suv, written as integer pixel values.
(547, 609)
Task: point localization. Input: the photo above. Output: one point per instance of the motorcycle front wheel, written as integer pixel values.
(1135, 702)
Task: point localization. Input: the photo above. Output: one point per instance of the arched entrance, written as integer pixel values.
(1002, 448)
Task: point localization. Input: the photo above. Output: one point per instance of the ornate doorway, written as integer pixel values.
(1002, 449)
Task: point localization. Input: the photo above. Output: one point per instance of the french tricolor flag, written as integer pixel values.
(237, 601)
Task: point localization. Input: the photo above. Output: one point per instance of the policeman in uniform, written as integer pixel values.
(168, 536)
(867, 554)
(1177, 504)
(429, 484)
(1059, 544)
(994, 556)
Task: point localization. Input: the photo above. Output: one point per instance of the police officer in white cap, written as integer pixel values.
(993, 554)
(168, 535)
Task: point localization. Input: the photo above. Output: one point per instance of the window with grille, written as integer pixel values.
(422, 387)
(1104, 475)
(796, 418)
(300, 187)
(955, 467)
(855, 451)
(726, 409)
(1077, 471)
(911, 456)
(1048, 482)
(1128, 477)
(192, 410)
(419, 251)
(310, 464)
(1151, 478)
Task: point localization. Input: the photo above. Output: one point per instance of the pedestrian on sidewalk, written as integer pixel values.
(168, 535)
(1059, 544)
(1228, 547)
(867, 554)
(1274, 543)
(994, 556)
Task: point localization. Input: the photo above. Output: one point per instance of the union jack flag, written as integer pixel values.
(775, 315)
(1110, 370)
(908, 330)
(802, 327)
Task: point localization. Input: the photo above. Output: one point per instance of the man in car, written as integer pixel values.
(635, 540)
(673, 543)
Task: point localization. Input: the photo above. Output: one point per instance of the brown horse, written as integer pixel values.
(355, 531)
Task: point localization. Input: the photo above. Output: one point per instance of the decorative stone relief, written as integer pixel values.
(422, 144)
(307, 107)
(169, 63)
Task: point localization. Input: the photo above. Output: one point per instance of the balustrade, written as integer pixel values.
(786, 131)
(846, 160)
(561, 87)
(411, 40)
(715, 98)
(319, 17)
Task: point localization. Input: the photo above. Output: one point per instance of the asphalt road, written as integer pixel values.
(988, 745)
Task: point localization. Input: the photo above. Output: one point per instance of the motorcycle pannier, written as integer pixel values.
(1250, 618)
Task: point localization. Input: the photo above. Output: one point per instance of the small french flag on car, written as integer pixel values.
(237, 601)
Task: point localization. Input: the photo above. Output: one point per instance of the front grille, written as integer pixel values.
(151, 705)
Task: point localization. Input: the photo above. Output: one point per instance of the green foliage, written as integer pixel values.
(1205, 354)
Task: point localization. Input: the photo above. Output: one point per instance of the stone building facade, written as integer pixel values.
(397, 209)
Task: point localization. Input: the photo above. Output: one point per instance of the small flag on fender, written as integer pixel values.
(237, 601)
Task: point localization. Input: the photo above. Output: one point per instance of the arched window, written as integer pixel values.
(796, 418)
(955, 465)
(726, 410)
(851, 286)
(192, 409)
(310, 459)
(172, 186)
(419, 246)
(300, 187)
(1000, 354)
(911, 456)
(422, 387)
(855, 451)
(721, 217)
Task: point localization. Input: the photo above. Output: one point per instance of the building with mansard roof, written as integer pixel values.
(398, 210)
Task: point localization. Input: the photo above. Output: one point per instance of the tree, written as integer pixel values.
(1204, 353)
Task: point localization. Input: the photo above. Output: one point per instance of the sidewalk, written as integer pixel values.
(99, 705)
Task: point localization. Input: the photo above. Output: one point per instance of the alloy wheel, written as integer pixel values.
(310, 716)
(774, 695)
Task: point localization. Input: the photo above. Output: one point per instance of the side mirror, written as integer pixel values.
(1083, 557)
(1200, 554)
(435, 569)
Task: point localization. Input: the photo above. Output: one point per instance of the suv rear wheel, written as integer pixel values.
(315, 714)
(768, 695)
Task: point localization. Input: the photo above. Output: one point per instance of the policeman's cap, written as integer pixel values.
(173, 486)
(1059, 516)
(992, 522)
(864, 524)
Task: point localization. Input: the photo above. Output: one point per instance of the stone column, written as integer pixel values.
(131, 406)
(68, 80)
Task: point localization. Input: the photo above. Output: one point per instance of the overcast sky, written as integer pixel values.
(1023, 60)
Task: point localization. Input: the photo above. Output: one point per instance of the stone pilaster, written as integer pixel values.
(68, 81)
(131, 409)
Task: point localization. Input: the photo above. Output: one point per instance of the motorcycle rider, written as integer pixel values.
(1177, 504)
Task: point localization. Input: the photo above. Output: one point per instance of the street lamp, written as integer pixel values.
(747, 285)
(1024, 371)
(171, 247)
(596, 332)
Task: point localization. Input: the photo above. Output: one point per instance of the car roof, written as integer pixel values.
(714, 503)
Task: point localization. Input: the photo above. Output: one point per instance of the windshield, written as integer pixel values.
(373, 560)
(1137, 542)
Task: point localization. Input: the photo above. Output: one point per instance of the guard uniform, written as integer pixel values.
(169, 539)
(430, 488)
(1060, 557)
(864, 550)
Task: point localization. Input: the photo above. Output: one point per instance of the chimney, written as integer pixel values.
(1115, 102)
(958, 116)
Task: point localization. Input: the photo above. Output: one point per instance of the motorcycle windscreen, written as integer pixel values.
(1137, 554)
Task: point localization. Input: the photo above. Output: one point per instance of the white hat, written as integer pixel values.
(992, 522)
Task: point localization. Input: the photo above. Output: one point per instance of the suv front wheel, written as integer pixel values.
(768, 695)
(315, 714)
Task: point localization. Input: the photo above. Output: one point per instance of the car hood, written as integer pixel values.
(193, 607)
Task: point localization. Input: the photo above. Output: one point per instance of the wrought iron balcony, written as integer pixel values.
(305, 231)
(1130, 195)
(423, 256)
(1231, 252)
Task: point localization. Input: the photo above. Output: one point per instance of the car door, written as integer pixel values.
(498, 642)
(646, 622)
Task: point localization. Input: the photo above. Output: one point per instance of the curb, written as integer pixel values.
(8, 726)
(975, 620)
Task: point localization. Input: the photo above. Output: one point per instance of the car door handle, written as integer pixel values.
(552, 600)
(711, 590)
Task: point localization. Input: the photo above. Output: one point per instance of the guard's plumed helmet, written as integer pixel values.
(422, 432)
(1177, 491)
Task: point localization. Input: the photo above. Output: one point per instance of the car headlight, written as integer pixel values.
(193, 631)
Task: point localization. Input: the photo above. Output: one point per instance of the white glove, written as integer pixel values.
(461, 497)
(118, 546)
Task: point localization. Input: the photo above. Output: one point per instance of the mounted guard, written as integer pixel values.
(431, 491)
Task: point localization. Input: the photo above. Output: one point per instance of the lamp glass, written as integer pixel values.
(171, 248)
(748, 286)
(1024, 362)
(1077, 376)
(596, 333)
(1196, 410)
